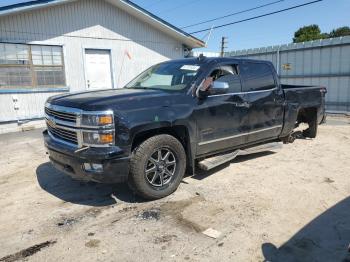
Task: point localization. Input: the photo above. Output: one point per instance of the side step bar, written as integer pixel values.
(211, 162)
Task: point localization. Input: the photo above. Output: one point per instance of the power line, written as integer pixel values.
(233, 14)
(255, 17)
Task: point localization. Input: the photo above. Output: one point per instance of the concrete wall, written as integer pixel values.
(85, 24)
(322, 62)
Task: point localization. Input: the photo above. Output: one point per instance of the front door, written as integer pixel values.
(98, 69)
(220, 117)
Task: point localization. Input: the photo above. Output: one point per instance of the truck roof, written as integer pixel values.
(205, 60)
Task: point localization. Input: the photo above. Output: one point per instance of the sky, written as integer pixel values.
(266, 31)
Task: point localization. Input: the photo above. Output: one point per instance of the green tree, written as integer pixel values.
(341, 31)
(308, 33)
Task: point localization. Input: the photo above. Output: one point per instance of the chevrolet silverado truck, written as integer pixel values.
(174, 117)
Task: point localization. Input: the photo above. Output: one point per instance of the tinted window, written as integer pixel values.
(256, 76)
(228, 74)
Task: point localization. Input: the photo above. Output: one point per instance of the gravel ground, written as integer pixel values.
(290, 205)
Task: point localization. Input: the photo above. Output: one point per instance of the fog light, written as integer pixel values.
(93, 167)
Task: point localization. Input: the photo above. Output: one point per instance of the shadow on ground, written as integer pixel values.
(326, 238)
(83, 193)
(201, 174)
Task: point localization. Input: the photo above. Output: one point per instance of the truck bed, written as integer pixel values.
(305, 96)
(299, 99)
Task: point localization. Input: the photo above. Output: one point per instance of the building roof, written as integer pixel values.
(125, 5)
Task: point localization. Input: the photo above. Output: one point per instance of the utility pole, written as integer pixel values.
(223, 45)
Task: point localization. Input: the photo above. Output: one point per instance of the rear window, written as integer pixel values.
(256, 76)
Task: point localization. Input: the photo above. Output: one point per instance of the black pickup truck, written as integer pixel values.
(174, 116)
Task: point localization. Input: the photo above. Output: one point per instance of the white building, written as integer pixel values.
(49, 47)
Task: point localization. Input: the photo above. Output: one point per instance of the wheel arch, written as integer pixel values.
(294, 115)
(180, 132)
(306, 114)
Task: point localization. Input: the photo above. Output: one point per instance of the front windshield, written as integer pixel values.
(172, 76)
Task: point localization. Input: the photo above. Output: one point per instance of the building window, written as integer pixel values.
(31, 66)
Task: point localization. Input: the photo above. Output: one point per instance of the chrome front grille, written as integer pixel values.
(64, 124)
(61, 115)
(62, 133)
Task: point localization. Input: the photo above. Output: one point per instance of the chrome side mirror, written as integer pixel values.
(214, 88)
(219, 87)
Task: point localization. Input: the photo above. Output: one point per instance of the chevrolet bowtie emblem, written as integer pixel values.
(51, 122)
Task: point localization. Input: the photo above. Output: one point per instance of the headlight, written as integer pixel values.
(98, 138)
(97, 128)
(97, 120)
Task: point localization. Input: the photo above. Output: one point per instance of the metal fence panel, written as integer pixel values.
(321, 62)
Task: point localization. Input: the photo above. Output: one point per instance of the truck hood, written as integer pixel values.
(119, 99)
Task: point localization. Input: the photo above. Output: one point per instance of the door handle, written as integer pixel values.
(243, 104)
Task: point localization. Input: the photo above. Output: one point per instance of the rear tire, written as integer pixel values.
(157, 167)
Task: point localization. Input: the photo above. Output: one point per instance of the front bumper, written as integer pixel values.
(114, 160)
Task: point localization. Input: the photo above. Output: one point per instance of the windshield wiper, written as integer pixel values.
(136, 87)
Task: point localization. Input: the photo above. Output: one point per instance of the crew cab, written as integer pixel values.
(174, 116)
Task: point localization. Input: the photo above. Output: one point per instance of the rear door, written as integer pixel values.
(264, 100)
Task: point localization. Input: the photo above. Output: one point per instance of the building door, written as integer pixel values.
(98, 69)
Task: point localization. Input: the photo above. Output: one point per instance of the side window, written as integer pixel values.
(256, 76)
(228, 74)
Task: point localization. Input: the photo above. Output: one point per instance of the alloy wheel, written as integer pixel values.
(160, 167)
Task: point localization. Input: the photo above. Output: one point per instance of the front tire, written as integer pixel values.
(157, 167)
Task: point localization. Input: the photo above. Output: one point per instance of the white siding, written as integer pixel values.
(83, 25)
(31, 105)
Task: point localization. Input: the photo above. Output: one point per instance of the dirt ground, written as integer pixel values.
(292, 205)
